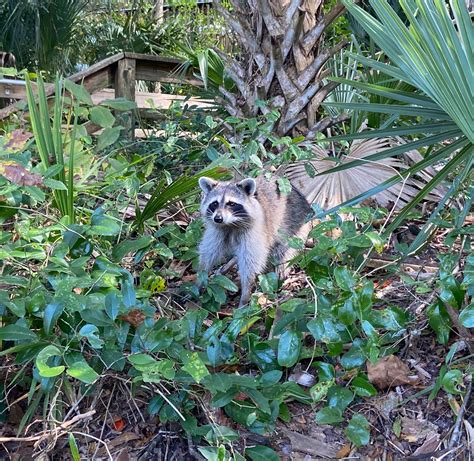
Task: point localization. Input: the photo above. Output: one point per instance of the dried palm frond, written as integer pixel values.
(333, 189)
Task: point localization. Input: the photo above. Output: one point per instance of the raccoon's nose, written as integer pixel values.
(218, 218)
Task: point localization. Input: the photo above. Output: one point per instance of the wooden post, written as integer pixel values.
(125, 88)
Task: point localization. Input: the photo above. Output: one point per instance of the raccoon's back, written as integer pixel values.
(283, 213)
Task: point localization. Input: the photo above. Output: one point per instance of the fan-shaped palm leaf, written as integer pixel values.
(332, 189)
(434, 54)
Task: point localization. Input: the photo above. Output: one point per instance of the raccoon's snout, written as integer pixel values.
(218, 218)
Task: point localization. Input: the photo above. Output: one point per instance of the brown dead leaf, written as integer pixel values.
(344, 451)
(135, 317)
(386, 403)
(16, 140)
(430, 445)
(19, 175)
(388, 372)
(417, 430)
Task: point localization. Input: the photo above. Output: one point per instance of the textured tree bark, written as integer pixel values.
(282, 61)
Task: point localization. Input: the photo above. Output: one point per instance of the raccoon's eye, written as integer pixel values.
(231, 204)
(213, 206)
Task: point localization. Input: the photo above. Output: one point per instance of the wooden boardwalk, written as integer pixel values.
(116, 76)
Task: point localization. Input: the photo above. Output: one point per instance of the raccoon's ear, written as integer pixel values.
(248, 185)
(207, 184)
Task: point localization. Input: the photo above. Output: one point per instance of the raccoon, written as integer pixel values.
(249, 220)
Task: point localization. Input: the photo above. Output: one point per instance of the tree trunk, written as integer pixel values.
(282, 61)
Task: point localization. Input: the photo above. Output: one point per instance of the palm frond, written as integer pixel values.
(332, 189)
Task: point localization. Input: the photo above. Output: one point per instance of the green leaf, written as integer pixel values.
(91, 333)
(102, 116)
(324, 329)
(319, 391)
(128, 246)
(358, 430)
(225, 283)
(344, 279)
(51, 315)
(340, 397)
(17, 333)
(363, 388)
(466, 316)
(102, 224)
(284, 186)
(108, 137)
(289, 348)
(452, 382)
(353, 358)
(54, 184)
(329, 415)
(78, 91)
(195, 367)
(121, 104)
(440, 322)
(73, 447)
(261, 453)
(82, 371)
(43, 368)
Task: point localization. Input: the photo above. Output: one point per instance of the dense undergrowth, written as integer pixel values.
(105, 287)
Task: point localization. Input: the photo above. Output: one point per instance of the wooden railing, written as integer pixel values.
(119, 73)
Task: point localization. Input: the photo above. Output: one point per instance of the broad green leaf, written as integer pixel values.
(353, 358)
(129, 246)
(466, 316)
(344, 279)
(17, 333)
(141, 361)
(329, 415)
(340, 397)
(358, 430)
(91, 332)
(324, 329)
(363, 388)
(54, 184)
(78, 91)
(270, 378)
(102, 116)
(82, 371)
(41, 362)
(101, 224)
(319, 391)
(453, 382)
(289, 348)
(108, 137)
(261, 453)
(51, 315)
(195, 367)
(440, 322)
(121, 104)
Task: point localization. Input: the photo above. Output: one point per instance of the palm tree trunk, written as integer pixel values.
(282, 61)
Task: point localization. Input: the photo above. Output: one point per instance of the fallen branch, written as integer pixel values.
(60, 430)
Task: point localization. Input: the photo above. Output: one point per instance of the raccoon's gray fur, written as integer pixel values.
(249, 220)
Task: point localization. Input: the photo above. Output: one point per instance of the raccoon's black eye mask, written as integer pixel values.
(213, 206)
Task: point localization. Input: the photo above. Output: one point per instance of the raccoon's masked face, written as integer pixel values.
(227, 204)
